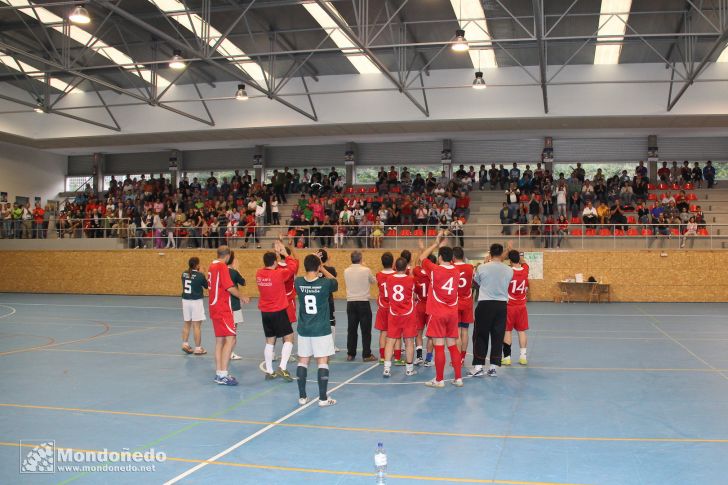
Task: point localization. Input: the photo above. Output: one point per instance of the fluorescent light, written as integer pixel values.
(79, 16)
(176, 11)
(479, 82)
(355, 55)
(177, 63)
(460, 45)
(471, 19)
(84, 38)
(34, 73)
(241, 94)
(723, 57)
(39, 108)
(613, 26)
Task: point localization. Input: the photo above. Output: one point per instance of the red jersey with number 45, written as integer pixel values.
(422, 283)
(442, 297)
(518, 286)
(401, 292)
(383, 298)
(465, 283)
(218, 277)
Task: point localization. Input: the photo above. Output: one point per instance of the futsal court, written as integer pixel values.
(618, 394)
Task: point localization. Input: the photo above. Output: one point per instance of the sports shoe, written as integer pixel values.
(337, 349)
(476, 372)
(283, 374)
(412, 372)
(270, 377)
(419, 361)
(381, 360)
(302, 401)
(235, 356)
(217, 379)
(435, 383)
(492, 373)
(506, 360)
(227, 381)
(428, 363)
(326, 403)
(387, 372)
(523, 360)
(371, 358)
(399, 362)
(457, 382)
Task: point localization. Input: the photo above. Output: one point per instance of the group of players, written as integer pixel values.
(433, 299)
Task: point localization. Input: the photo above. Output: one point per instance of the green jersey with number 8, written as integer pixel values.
(313, 305)
(192, 285)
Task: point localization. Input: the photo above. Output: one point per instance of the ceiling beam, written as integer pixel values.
(541, 46)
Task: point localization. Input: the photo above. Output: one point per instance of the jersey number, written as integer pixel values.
(309, 304)
(463, 281)
(398, 293)
(518, 288)
(384, 290)
(423, 288)
(188, 287)
(448, 286)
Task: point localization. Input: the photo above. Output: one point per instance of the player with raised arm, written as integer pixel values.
(516, 313)
(422, 286)
(221, 313)
(290, 291)
(238, 281)
(380, 323)
(465, 298)
(401, 322)
(273, 304)
(193, 310)
(314, 327)
(442, 309)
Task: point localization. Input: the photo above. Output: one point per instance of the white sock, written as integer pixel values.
(286, 354)
(268, 354)
(478, 367)
(410, 367)
(493, 367)
(523, 351)
(198, 348)
(222, 373)
(387, 364)
(333, 334)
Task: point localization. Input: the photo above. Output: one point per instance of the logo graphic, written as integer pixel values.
(40, 459)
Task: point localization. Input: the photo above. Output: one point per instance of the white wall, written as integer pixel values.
(28, 172)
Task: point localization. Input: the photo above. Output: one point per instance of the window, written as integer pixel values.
(341, 170)
(721, 170)
(78, 182)
(608, 169)
(368, 175)
(202, 176)
(121, 177)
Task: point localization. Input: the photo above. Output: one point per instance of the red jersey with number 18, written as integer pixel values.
(442, 298)
(218, 277)
(518, 287)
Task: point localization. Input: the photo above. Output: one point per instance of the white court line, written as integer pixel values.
(609, 315)
(13, 311)
(262, 430)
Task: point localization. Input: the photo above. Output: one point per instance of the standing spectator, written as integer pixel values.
(38, 214)
(561, 198)
(515, 173)
(494, 174)
(456, 229)
(7, 216)
(505, 220)
(26, 218)
(482, 177)
(562, 230)
(709, 173)
(697, 175)
(358, 279)
(663, 174)
(275, 211)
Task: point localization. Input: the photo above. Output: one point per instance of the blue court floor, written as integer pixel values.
(614, 394)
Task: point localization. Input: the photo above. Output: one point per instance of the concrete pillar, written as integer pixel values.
(97, 167)
(350, 162)
(175, 167)
(653, 156)
(547, 156)
(446, 157)
(259, 163)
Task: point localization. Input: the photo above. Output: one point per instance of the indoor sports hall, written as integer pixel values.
(363, 242)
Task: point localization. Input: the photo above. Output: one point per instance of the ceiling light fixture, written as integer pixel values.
(39, 108)
(460, 45)
(241, 94)
(79, 15)
(177, 62)
(479, 82)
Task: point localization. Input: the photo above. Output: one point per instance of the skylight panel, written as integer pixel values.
(34, 73)
(613, 17)
(471, 18)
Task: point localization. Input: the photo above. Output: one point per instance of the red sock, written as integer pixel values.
(381, 353)
(398, 354)
(439, 362)
(457, 363)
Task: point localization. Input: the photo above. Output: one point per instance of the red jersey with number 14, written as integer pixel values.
(442, 298)
(518, 287)
(422, 283)
(400, 288)
(218, 278)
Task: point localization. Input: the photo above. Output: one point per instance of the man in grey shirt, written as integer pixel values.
(493, 278)
(358, 279)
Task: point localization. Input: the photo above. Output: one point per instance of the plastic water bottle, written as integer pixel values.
(380, 464)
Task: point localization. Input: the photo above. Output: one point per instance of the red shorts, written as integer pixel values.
(381, 321)
(420, 315)
(223, 324)
(517, 318)
(291, 311)
(399, 326)
(465, 311)
(443, 325)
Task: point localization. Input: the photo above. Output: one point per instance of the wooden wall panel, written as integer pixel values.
(681, 276)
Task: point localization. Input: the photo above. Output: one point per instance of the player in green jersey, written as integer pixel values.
(193, 307)
(238, 281)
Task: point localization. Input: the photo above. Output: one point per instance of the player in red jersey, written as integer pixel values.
(422, 286)
(290, 290)
(442, 309)
(465, 298)
(517, 314)
(273, 304)
(380, 322)
(221, 314)
(401, 323)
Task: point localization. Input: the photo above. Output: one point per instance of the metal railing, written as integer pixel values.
(55, 227)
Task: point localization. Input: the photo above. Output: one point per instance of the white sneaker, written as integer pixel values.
(428, 363)
(387, 372)
(302, 401)
(506, 360)
(412, 372)
(492, 373)
(457, 382)
(419, 361)
(476, 372)
(435, 383)
(235, 356)
(337, 349)
(326, 403)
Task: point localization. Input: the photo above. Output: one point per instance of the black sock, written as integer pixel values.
(323, 382)
(419, 353)
(506, 350)
(301, 373)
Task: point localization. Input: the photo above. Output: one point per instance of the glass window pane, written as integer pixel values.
(78, 182)
(608, 169)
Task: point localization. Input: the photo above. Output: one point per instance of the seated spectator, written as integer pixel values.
(626, 196)
(494, 174)
(603, 213)
(575, 205)
(691, 230)
(663, 174)
(589, 216)
(662, 226)
(617, 218)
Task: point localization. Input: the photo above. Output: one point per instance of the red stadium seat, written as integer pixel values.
(650, 186)
(396, 189)
(651, 197)
(676, 186)
(663, 186)
(391, 232)
(432, 233)
(590, 232)
(362, 190)
(419, 232)
(350, 190)
(372, 190)
(523, 198)
(693, 208)
(647, 232)
(703, 232)
(576, 232)
(405, 233)
(537, 197)
(688, 186)
(605, 232)
(692, 196)
(632, 232)
(674, 231)
(619, 232)
(576, 220)
(631, 220)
